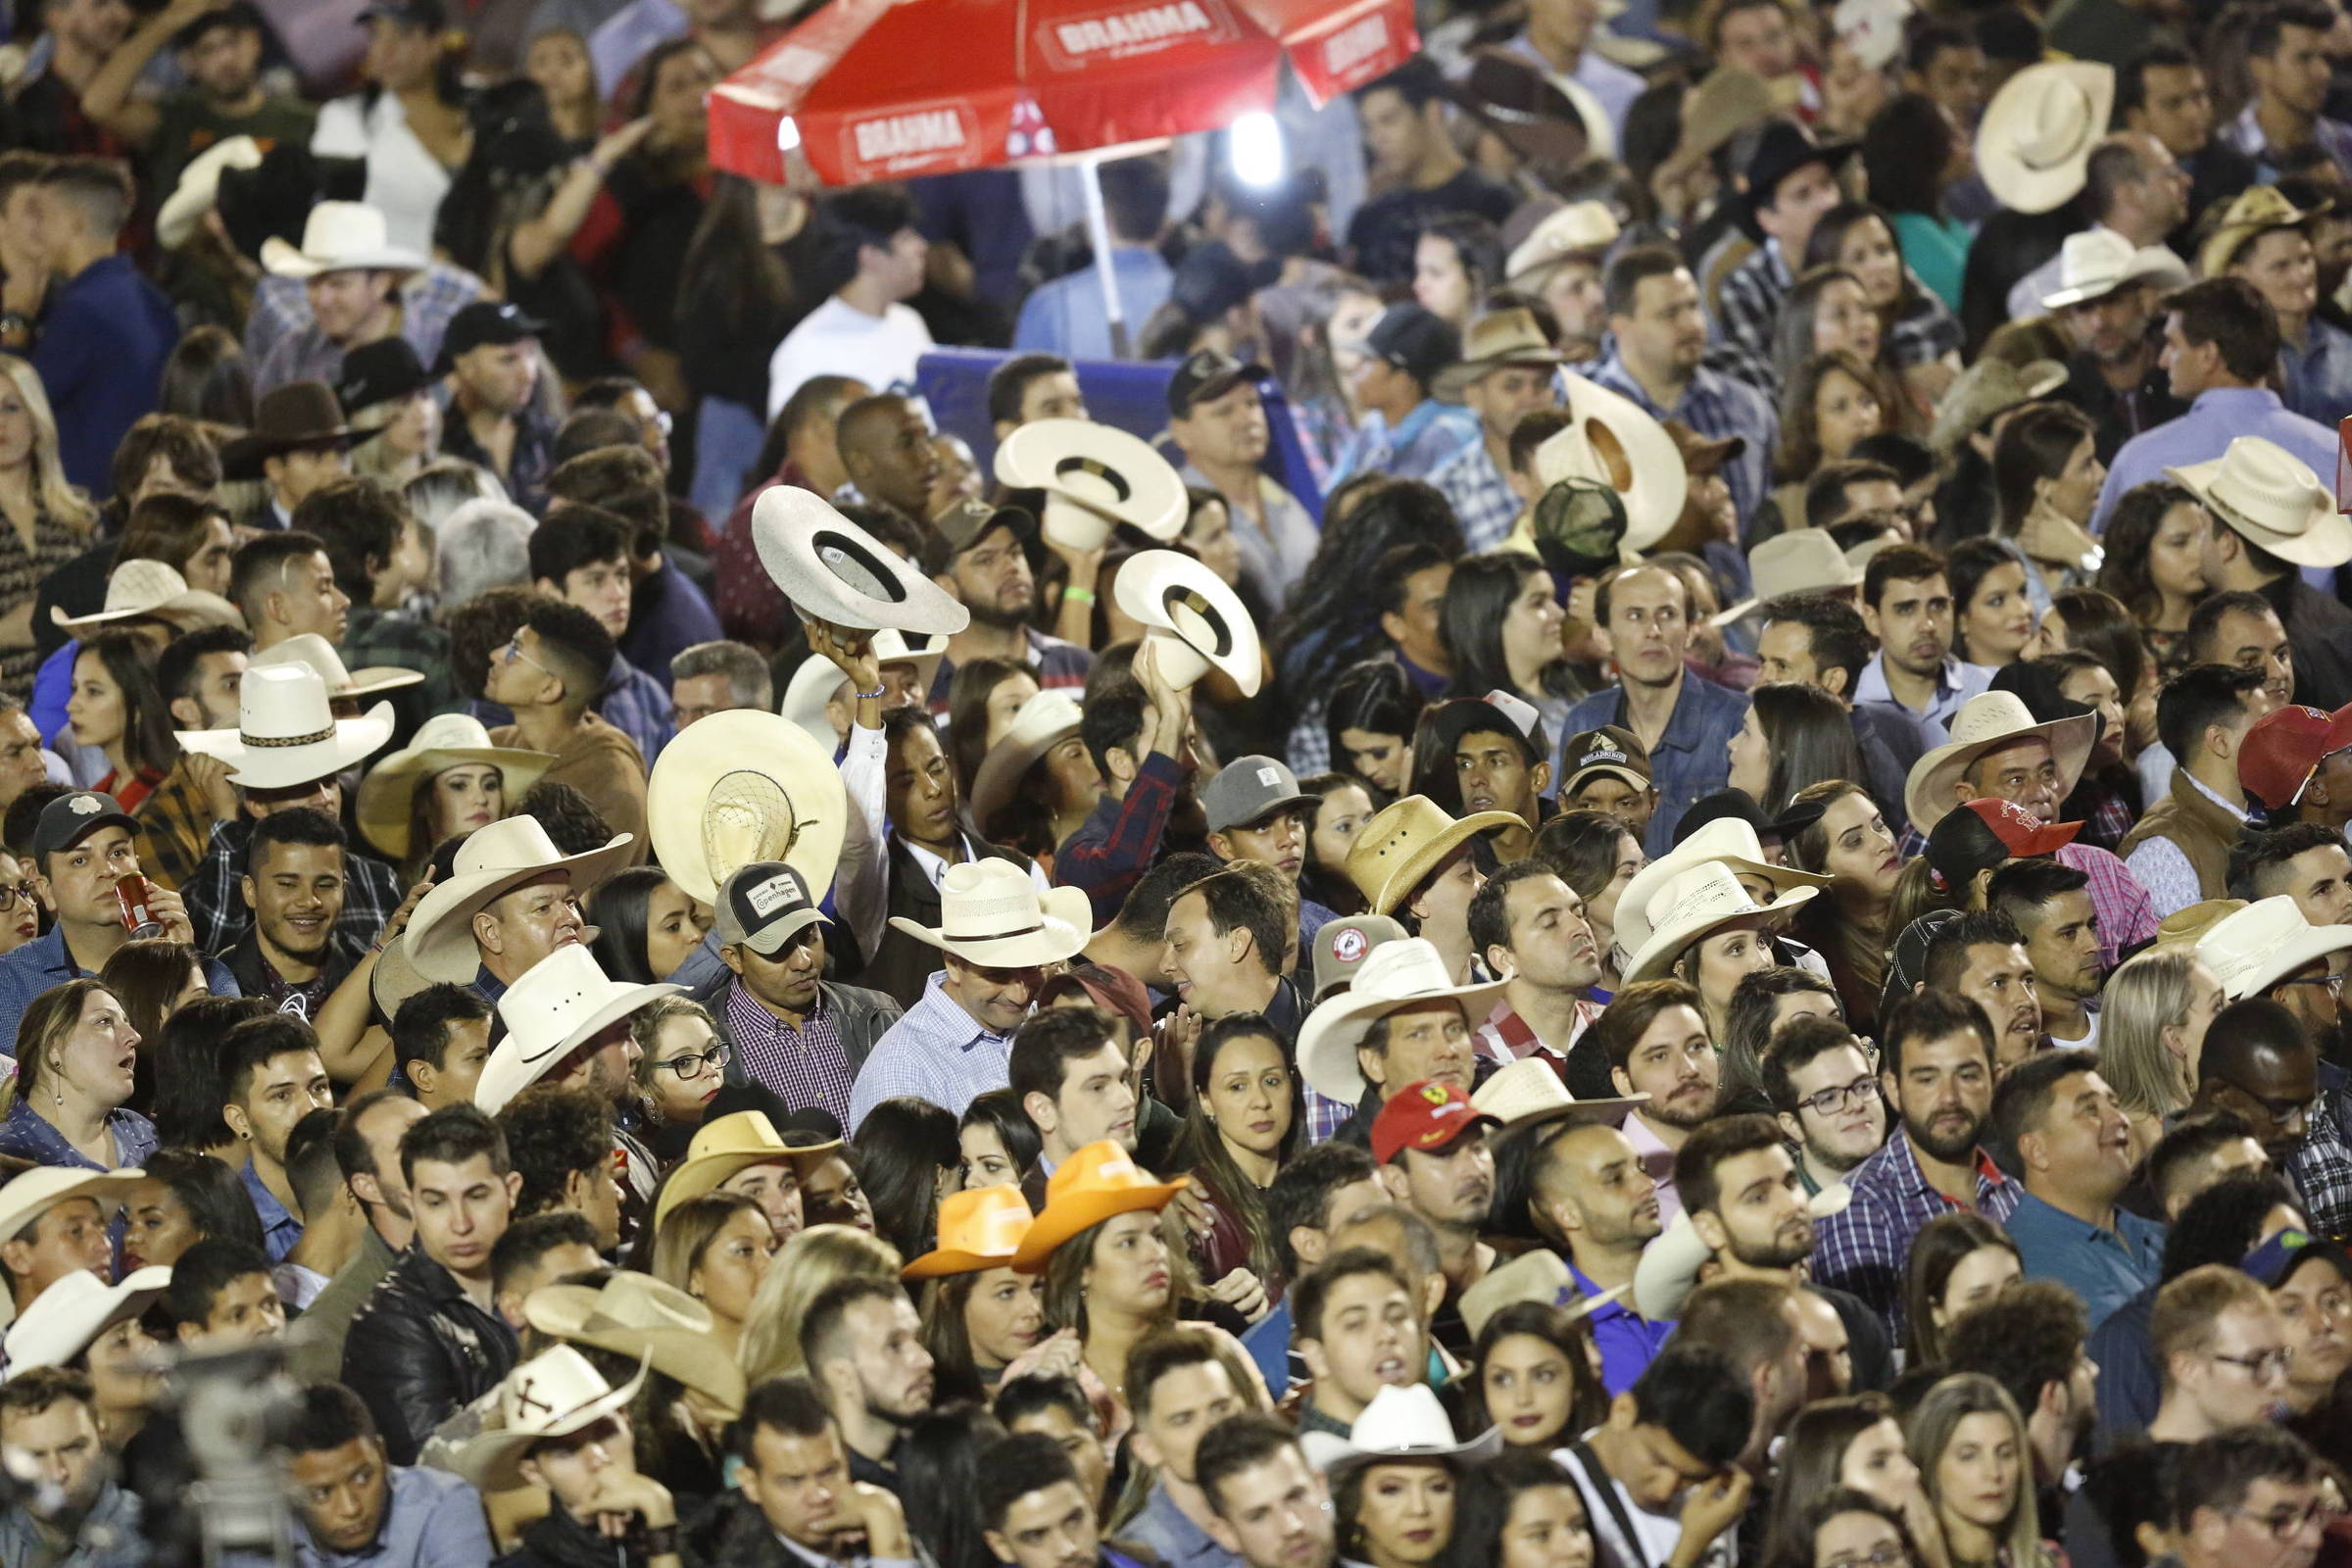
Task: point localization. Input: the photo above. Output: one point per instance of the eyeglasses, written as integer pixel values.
(2285, 1524)
(2264, 1367)
(11, 893)
(1886, 1555)
(2333, 982)
(695, 1064)
(1833, 1100)
(515, 653)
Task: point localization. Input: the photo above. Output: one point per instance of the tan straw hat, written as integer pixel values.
(1800, 560)
(311, 649)
(637, 1316)
(1531, 1091)
(388, 794)
(1497, 339)
(2251, 212)
(1987, 720)
(1404, 842)
(143, 587)
(744, 786)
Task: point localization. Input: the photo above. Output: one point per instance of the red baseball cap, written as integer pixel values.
(1427, 1116)
(2284, 746)
(1988, 832)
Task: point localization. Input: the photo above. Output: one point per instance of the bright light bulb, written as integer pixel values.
(788, 134)
(1255, 143)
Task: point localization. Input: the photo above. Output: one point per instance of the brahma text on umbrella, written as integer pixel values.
(1129, 29)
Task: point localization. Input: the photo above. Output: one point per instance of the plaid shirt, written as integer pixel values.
(1715, 406)
(2321, 1169)
(1506, 1036)
(216, 906)
(1119, 840)
(1864, 1248)
(1747, 307)
(2127, 915)
(372, 637)
(175, 823)
(530, 459)
(806, 1065)
(1483, 499)
(280, 320)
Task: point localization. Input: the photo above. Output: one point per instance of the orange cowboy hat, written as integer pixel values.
(979, 1228)
(1096, 1183)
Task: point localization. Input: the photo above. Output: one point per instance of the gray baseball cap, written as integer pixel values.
(1250, 789)
(763, 906)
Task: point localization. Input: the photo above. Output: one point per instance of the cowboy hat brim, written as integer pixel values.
(128, 1297)
(377, 679)
(108, 1188)
(440, 934)
(1633, 920)
(1927, 792)
(2303, 947)
(1327, 1041)
(816, 680)
(1098, 468)
(1066, 924)
(1083, 1211)
(688, 1355)
(1178, 598)
(1330, 1452)
(945, 1260)
(283, 259)
(389, 788)
(1569, 1111)
(1668, 942)
(1455, 380)
(1006, 762)
(1431, 852)
(514, 1066)
(2031, 188)
(1636, 456)
(2162, 269)
(2325, 542)
(279, 766)
(835, 571)
(207, 607)
(199, 189)
(242, 458)
(719, 789)
(1849, 576)
(491, 1460)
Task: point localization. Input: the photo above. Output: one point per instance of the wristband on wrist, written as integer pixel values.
(1082, 595)
(661, 1541)
(873, 696)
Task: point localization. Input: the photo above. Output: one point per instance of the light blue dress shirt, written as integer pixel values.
(1066, 316)
(935, 1052)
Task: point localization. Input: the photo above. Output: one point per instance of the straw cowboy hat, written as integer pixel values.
(199, 188)
(818, 679)
(835, 571)
(1725, 841)
(1610, 439)
(2272, 499)
(991, 914)
(1094, 478)
(1729, 102)
(1394, 976)
(560, 1004)
(979, 1228)
(1580, 228)
(1497, 339)
(395, 979)
(30, 1194)
(1800, 560)
(1398, 1424)
(635, 1314)
(744, 786)
(1042, 722)
(339, 237)
(1694, 904)
(444, 741)
(723, 1146)
(1986, 389)
(1541, 1275)
(301, 415)
(1531, 1090)
(286, 732)
(1095, 1184)
(491, 863)
(2189, 923)
(143, 587)
(2253, 949)
(68, 1317)
(1395, 852)
(1985, 721)
(2033, 142)
(316, 651)
(554, 1395)
(2251, 212)
(2097, 262)
(1194, 622)
(1669, 1268)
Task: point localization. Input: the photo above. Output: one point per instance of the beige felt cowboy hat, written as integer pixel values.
(637, 1316)
(554, 1395)
(557, 1005)
(388, 794)
(1042, 722)
(339, 237)
(818, 679)
(1096, 1183)
(2253, 949)
(153, 588)
(1578, 229)
(2033, 142)
(1669, 1269)
(1696, 903)
(1194, 622)
(1404, 842)
(1985, 721)
(30, 1194)
(991, 914)
(1729, 102)
(1531, 1091)
(287, 733)
(1496, 339)
(1394, 976)
(2271, 498)
(493, 861)
(68, 1317)
(744, 786)
(834, 572)
(1400, 1424)
(1541, 1275)
(199, 189)
(1094, 478)
(1800, 560)
(723, 1146)
(2097, 262)
(1725, 841)
(311, 649)
(1610, 440)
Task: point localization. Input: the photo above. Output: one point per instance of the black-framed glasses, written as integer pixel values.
(695, 1064)
(2263, 1366)
(2286, 1523)
(1829, 1102)
(2333, 982)
(11, 893)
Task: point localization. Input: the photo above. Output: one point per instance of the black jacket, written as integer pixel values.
(419, 1349)
(732, 1533)
(559, 1541)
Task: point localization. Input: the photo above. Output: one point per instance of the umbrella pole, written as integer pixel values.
(1097, 234)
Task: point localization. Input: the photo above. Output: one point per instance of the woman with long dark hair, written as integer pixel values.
(1992, 615)
(117, 710)
(1247, 1119)
(1533, 1378)
(153, 979)
(1829, 404)
(1855, 1442)
(1850, 844)
(2046, 474)
(937, 1457)
(1373, 710)
(907, 1159)
(1913, 156)
(1520, 1510)
(1919, 333)
(753, 268)
(1502, 623)
(1957, 1261)
(979, 1313)
(408, 123)
(646, 925)
(984, 696)
(1343, 805)
(1793, 736)
(2154, 563)
(183, 1197)
(996, 1143)
(1457, 261)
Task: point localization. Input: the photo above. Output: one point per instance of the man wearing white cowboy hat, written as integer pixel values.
(2271, 516)
(563, 1427)
(352, 280)
(2139, 194)
(568, 1025)
(53, 1223)
(1403, 1020)
(511, 899)
(1508, 369)
(2105, 293)
(997, 933)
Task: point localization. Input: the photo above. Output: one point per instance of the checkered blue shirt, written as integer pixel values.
(1716, 407)
(1747, 307)
(1864, 1248)
(1483, 499)
(935, 1052)
(284, 344)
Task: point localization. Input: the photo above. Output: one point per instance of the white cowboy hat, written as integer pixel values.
(492, 862)
(1580, 228)
(339, 237)
(1669, 1268)
(557, 1005)
(553, 1395)
(1541, 1275)
(1725, 841)
(64, 1319)
(1985, 720)
(1610, 439)
(1701, 900)
(2097, 262)
(1872, 29)
(1531, 1091)
(1800, 560)
(2273, 499)
(1042, 722)
(2254, 948)
(286, 732)
(443, 741)
(744, 786)
(309, 648)
(818, 679)
(2033, 142)
(1395, 975)
(835, 571)
(1095, 476)
(991, 913)
(30, 1194)
(1398, 1424)
(1195, 623)
(148, 588)
(636, 1314)
(199, 188)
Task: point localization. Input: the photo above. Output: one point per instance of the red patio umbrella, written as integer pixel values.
(873, 89)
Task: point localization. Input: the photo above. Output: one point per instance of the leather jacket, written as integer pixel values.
(420, 1350)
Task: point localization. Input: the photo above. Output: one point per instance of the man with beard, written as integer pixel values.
(985, 564)
(2104, 295)
(2052, 911)
(368, 1133)
(864, 1350)
(1907, 606)
(1746, 1203)
(1591, 1196)
(1826, 1096)
(355, 1503)
(220, 54)
(1936, 1070)
(295, 956)
(271, 1069)
(1530, 928)
(49, 1432)
(1654, 1037)
(1430, 1146)
(2070, 1141)
(1980, 958)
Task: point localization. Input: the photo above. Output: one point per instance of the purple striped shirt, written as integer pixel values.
(806, 1065)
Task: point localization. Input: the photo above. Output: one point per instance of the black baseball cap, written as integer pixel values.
(70, 819)
(1415, 341)
(383, 371)
(1207, 375)
(239, 14)
(430, 15)
(484, 323)
(764, 905)
(1741, 807)
(968, 522)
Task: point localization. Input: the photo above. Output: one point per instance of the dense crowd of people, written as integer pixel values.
(1652, 870)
